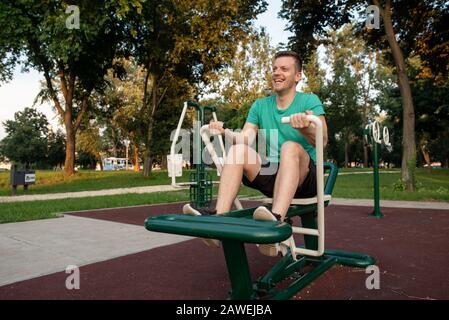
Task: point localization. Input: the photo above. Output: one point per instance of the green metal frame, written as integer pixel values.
(237, 228)
(201, 188)
(201, 191)
(376, 149)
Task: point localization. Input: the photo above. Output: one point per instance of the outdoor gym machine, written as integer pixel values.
(200, 182)
(300, 265)
(374, 138)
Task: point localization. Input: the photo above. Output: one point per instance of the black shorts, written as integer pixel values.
(265, 182)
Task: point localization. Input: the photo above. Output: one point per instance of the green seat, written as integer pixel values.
(220, 227)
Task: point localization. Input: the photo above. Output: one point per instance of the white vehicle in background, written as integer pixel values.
(114, 163)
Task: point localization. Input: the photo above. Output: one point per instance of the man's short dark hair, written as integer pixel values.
(294, 55)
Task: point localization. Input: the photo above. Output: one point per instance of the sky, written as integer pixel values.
(23, 89)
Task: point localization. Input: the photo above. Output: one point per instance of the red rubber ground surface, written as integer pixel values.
(410, 246)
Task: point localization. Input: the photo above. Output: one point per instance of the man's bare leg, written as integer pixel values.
(293, 169)
(241, 159)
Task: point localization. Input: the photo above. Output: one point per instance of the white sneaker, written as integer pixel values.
(187, 209)
(285, 247)
(271, 249)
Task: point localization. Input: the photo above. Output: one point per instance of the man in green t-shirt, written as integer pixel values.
(289, 170)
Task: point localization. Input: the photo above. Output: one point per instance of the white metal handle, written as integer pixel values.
(376, 132)
(220, 138)
(172, 148)
(386, 137)
(319, 145)
(205, 135)
(285, 120)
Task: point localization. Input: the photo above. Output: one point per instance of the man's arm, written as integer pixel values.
(307, 128)
(246, 136)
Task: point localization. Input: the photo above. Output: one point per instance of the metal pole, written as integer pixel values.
(376, 213)
(201, 176)
(172, 148)
(198, 158)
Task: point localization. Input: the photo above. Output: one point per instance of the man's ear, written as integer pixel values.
(298, 76)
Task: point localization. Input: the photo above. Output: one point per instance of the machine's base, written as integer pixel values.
(302, 272)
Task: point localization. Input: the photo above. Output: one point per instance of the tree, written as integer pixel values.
(56, 149)
(403, 24)
(26, 139)
(313, 75)
(426, 34)
(186, 40)
(432, 112)
(89, 144)
(73, 60)
(246, 78)
(166, 119)
(346, 88)
(122, 102)
(342, 91)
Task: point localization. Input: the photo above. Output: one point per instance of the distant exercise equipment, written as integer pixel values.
(374, 138)
(200, 182)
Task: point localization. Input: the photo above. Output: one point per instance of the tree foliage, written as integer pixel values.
(56, 149)
(185, 40)
(246, 78)
(26, 139)
(122, 109)
(403, 30)
(89, 143)
(432, 113)
(72, 60)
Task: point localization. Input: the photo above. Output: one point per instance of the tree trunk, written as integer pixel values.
(365, 110)
(101, 162)
(408, 165)
(69, 164)
(136, 158)
(365, 156)
(93, 164)
(164, 162)
(148, 161)
(114, 142)
(155, 101)
(67, 86)
(346, 154)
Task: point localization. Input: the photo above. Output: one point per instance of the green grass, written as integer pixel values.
(32, 210)
(365, 169)
(433, 186)
(84, 180)
(45, 209)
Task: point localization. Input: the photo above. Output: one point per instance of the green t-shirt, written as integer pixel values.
(265, 114)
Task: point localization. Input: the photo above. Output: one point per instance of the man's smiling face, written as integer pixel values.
(284, 75)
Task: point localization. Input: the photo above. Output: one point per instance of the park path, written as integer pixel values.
(92, 193)
(35, 248)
